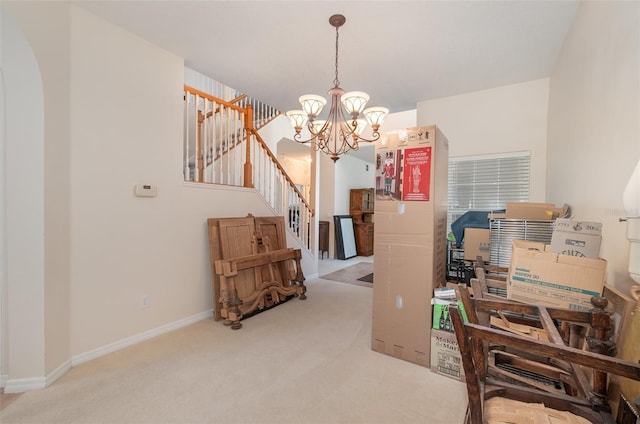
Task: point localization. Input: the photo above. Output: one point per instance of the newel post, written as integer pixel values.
(248, 127)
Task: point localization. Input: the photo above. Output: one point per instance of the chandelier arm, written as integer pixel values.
(339, 133)
(316, 132)
(298, 138)
(352, 129)
(376, 136)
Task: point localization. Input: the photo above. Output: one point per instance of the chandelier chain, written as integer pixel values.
(336, 81)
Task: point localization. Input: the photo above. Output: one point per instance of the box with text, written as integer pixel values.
(538, 276)
(445, 355)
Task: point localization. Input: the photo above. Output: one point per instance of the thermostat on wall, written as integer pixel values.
(146, 190)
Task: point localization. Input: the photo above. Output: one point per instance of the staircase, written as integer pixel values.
(222, 146)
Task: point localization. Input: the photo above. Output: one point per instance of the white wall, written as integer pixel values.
(118, 102)
(126, 247)
(351, 173)
(53, 31)
(505, 119)
(594, 133)
(325, 207)
(299, 170)
(23, 319)
(272, 133)
(399, 121)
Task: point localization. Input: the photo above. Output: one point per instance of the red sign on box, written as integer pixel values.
(416, 183)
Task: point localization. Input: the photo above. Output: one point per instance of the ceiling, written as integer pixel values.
(400, 52)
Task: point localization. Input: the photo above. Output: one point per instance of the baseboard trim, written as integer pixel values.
(121, 344)
(25, 384)
(20, 385)
(58, 372)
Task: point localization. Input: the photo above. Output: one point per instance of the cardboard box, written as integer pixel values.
(576, 238)
(476, 243)
(411, 254)
(539, 276)
(441, 319)
(445, 355)
(534, 211)
(401, 312)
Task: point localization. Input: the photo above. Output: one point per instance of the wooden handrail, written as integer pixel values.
(263, 121)
(247, 112)
(281, 169)
(212, 98)
(240, 97)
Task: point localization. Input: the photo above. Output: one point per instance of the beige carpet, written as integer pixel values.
(303, 362)
(351, 274)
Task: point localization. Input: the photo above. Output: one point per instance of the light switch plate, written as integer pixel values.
(146, 190)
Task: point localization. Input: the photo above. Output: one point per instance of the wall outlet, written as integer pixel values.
(145, 301)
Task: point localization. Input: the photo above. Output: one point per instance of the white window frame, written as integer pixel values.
(472, 180)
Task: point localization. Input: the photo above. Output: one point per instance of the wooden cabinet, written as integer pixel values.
(361, 207)
(323, 238)
(364, 238)
(361, 203)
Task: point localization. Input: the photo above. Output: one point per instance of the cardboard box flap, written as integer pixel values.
(576, 226)
(535, 211)
(542, 252)
(539, 276)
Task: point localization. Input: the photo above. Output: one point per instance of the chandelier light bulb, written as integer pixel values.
(312, 104)
(343, 128)
(298, 119)
(316, 127)
(376, 116)
(354, 102)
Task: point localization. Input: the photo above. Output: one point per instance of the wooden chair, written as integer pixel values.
(490, 282)
(583, 372)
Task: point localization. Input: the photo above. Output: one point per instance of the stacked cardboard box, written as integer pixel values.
(539, 276)
(409, 241)
(576, 238)
(477, 243)
(445, 352)
(445, 355)
(441, 319)
(534, 211)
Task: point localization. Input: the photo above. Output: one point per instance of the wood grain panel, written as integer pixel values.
(273, 234)
(215, 253)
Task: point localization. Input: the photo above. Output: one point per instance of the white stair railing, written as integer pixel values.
(222, 146)
(275, 186)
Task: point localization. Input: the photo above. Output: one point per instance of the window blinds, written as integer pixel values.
(487, 182)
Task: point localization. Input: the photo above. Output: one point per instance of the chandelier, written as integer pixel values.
(341, 131)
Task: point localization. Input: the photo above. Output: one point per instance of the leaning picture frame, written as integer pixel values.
(345, 236)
